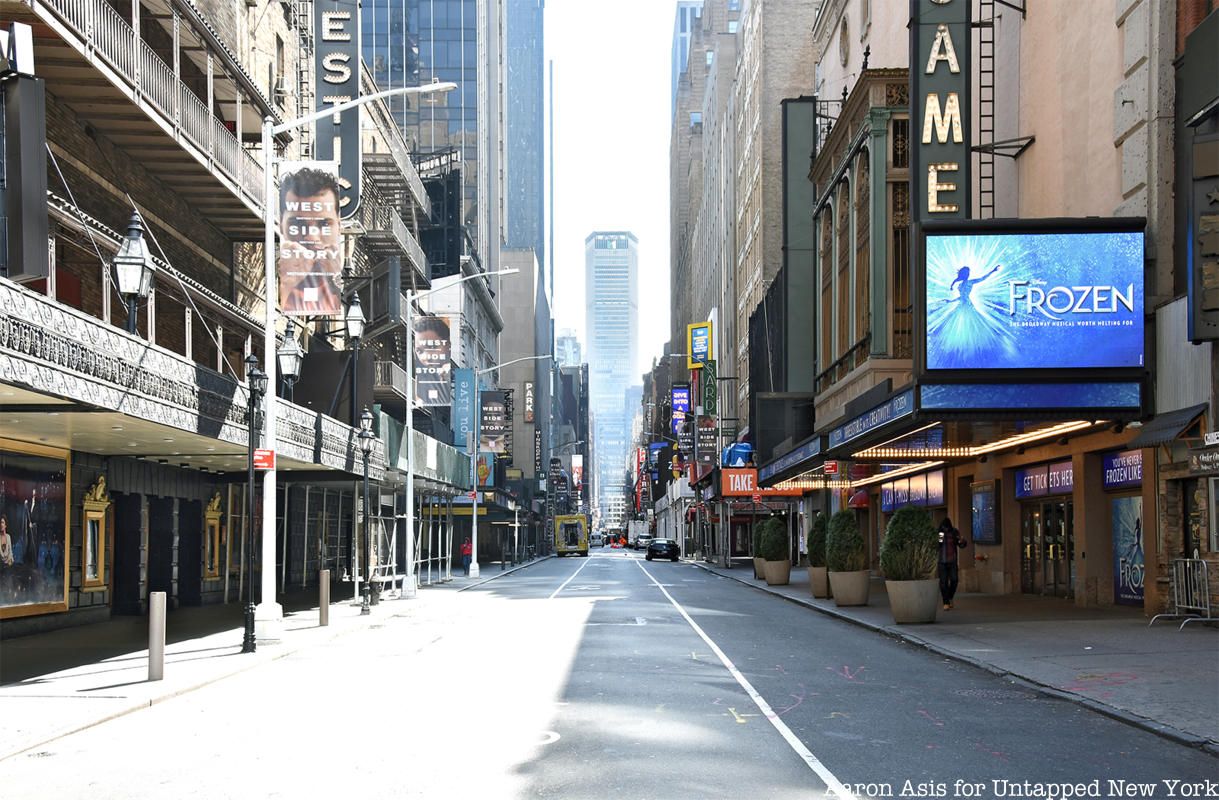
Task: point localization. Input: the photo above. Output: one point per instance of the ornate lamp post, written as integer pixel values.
(368, 440)
(353, 318)
(134, 267)
(256, 380)
(290, 357)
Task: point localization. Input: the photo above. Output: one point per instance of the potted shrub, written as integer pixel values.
(756, 534)
(908, 558)
(846, 558)
(776, 552)
(818, 576)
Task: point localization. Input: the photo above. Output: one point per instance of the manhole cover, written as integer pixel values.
(994, 694)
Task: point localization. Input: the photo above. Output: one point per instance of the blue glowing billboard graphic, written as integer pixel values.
(1034, 300)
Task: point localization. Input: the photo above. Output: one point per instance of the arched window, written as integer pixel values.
(842, 310)
(826, 262)
(863, 265)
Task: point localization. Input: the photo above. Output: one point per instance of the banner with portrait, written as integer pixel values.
(493, 433)
(33, 530)
(433, 361)
(310, 256)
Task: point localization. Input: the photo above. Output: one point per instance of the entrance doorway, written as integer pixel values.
(1047, 548)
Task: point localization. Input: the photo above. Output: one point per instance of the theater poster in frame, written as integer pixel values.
(34, 529)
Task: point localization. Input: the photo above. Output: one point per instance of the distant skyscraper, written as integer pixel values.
(611, 277)
(687, 10)
(525, 202)
(567, 348)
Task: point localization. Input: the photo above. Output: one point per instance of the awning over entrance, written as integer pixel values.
(1163, 428)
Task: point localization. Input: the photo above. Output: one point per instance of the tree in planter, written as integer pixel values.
(910, 547)
(773, 544)
(816, 541)
(844, 546)
(908, 557)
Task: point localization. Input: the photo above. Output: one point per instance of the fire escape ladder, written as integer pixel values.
(986, 109)
(304, 70)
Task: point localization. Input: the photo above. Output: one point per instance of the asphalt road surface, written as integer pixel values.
(610, 676)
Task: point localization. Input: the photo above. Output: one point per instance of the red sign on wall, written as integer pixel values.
(264, 459)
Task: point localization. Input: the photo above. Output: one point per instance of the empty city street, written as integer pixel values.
(606, 676)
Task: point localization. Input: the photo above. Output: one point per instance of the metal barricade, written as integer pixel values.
(1191, 597)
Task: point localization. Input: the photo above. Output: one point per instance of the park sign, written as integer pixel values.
(939, 104)
(337, 79)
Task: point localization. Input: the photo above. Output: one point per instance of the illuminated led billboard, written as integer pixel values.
(1015, 300)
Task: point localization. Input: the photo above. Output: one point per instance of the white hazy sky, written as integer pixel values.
(612, 108)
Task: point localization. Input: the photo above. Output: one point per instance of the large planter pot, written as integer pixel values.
(758, 571)
(819, 581)
(913, 601)
(778, 573)
(850, 588)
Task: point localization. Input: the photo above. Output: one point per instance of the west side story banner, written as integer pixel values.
(310, 256)
(433, 361)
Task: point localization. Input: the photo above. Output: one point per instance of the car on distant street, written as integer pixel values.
(641, 541)
(663, 548)
(596, 540)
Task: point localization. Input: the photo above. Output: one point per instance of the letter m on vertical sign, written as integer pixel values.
(337, 80)
(939, 108)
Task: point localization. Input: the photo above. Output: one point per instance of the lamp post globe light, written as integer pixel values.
(134, 268)
(476, 415)
(270, 613)
(408, 575)
(368, 440)
(256, 380)
(290, 357)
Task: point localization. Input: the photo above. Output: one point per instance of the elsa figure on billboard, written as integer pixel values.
(966, 328)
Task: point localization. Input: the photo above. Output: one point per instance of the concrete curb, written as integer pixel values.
(1126, 717)
(505, 572)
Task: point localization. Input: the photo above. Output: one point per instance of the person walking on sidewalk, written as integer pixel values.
(467, 550)
(950, 543)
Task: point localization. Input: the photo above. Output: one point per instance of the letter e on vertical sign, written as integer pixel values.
(939, 102)
(337, 80)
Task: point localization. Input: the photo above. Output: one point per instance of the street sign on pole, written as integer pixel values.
(264, 459)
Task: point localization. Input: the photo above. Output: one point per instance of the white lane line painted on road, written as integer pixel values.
(792, 740)
(569, 580)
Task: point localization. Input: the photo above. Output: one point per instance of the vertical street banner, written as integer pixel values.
(679, 404)
(433, 361)
(537, 452)
(463, 407)
(493, 434)
(485, 470)
(337, 78)
(577, 472)
(310, 255)
(939, 107)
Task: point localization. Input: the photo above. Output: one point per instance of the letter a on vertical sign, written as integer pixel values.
(337, 80)
(939, 102)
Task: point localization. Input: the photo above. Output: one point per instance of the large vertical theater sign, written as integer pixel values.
(939, 105)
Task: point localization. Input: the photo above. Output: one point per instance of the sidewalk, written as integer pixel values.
(56, 683)
(1157, 678)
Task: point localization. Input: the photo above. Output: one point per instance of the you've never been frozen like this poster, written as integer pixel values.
(1034, 301)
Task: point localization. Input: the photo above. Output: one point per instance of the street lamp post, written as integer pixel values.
(134, 267)
(408, 578)
(290, 357)
(475, 411)
(270, 611)
(367, 441)
(256, 381)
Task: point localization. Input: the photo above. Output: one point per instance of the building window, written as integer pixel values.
(903, 311)
(842, 311)
(710, 57)
(844, 44)
(901, 143)
(827, 285)
(732, 25)
(863, 198)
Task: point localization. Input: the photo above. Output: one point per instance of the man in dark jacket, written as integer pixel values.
(950, 543)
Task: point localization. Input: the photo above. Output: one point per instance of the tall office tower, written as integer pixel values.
(567, 349)
(611, 277)
(524, 199)
(413, 42)
(687, 12)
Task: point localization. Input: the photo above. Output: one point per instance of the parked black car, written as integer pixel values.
(663, 548)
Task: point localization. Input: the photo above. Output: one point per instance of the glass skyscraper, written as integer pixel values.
(525, 203)
(412, 42)
(611, 279)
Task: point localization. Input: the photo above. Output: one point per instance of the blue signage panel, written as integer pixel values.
(894, 408)
(1045, 479)
(935, 488)
(805, 452)
(463, 407)
(1002, 301)
(925, 490)
(1123, 470)
(700, 342)
(1100, 395)
(1128, 557)
(679, 398)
